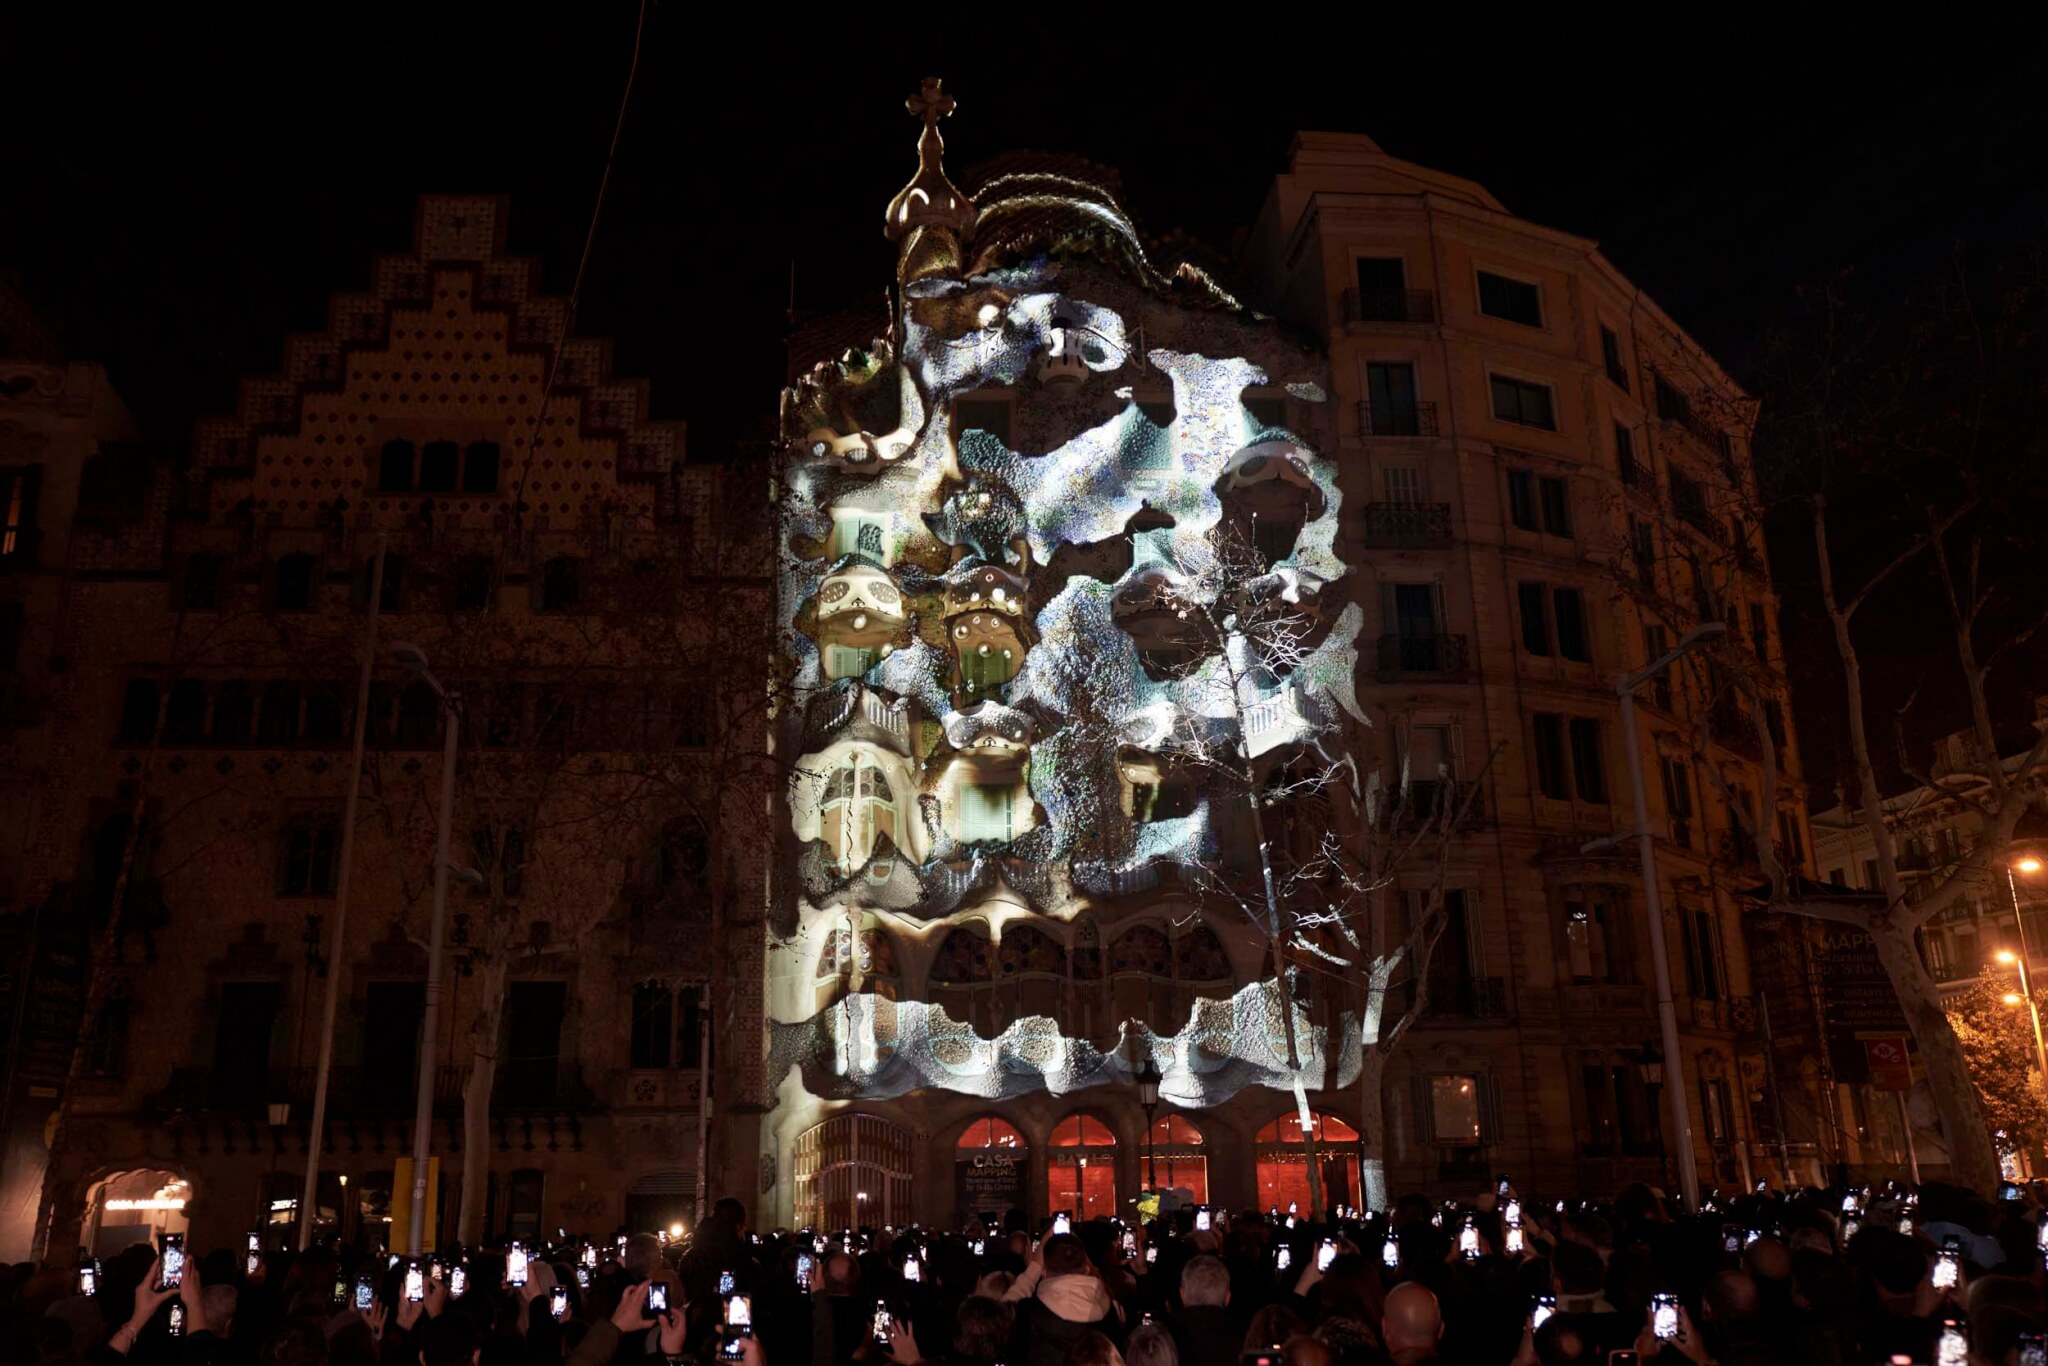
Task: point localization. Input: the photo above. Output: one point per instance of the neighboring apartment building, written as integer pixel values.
(1547, 485)
(1536, 483)
(589, 595)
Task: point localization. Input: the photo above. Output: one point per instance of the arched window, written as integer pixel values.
(991, 1131)
(292, 589)
(992, 1162)
(1201, 969)
(1282, 1159)
(1140, 976)
(323, 714)
(480, 467)
(859, 809)
(685, 853)
(138, 711)
(437, 467)
(473, 579)
(234, 707)
(869, 961)
(394, 467)
(1175, 1153)
(185, 718)
(1034, 964)
(1080, 1168)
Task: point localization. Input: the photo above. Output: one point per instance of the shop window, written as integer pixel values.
(1080, 1168)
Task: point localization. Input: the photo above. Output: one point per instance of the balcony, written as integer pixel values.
(1464, 804)
(1420, 656)
(1636, 475)
(1389, 306)
(1407, 526)
(1732, 728)
(1396, 419)
(1470, 998)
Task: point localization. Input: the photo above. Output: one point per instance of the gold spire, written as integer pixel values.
(929, 197)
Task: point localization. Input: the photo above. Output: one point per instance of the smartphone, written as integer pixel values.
(558, 1302)
(1546, 1305)
(1390, 1253)
(515, 1264)
(1952, 1344)
(1512, 1211)
(1202, 1219)
(2008, 1190)
(1664, 1316)
(657, 1299)
(820, 1243)
(725, 1283)
(1512, 1240)
(173, 1270)
(1063, 1222)
(1468, 1241)
(1326, 1252)
(1731, 1238)
(1906, 1220)
(1264, 1356)
(1291, 1221)
(1850, 1204)
(1623, 1356)
(1501, 1186)
(177, 1326)
(1850, 1228)
(2040, 1237)
(804, 1262)
(1751, 1235)
(880, 1329)
(583, 1277)
(1283, 1257)
(910, 1270)
(739, 1314)
(2033, 1349)
(1130, 1242)
(1151, 1254)
(340, 1292)
(415, 1282)
(979, 1246)
(458, 1281)
(88, 1277)
(366, 1293)
(1948, 1264)
(590, 1255)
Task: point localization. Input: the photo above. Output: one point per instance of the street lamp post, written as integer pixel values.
(1148, 1097)
(414, 659)
(1653, 902)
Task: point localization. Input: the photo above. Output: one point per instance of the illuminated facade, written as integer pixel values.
(1507, 478)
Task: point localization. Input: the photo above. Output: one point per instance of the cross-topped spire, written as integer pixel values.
(929, 197)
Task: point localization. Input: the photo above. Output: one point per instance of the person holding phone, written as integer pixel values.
(1060, 1298)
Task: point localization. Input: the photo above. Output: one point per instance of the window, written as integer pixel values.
(394, 468)
(1702, 954)
(138, 712)
(985, 811)
(1451, 966)
(1610, 355)
(311, 845)
(419, 716)
(528, 1068)
(242, 1038)
(391, 596)
(438, 465)
(1516, 301)
(1595, 934)
(323, 714)
(1599, 1092)
(1792, 842)
(1522, 499)
(1714, 1112)
(1760, 632)
(18, 513)
(1454, 1110)
(1390, 389)
(392, 1014)
(185, 717)
(1656, 642)
(991, 415)
(1403, 485)
(1523, 402)
(1568, 610)
(1548, 728)
(1556, 497)
(234, 707)
(480, 467)
(653, 1009)
(1688, 497)
(859, 532)
(1672, 404)
(685, 853)
(1677, 775)
(200, 591)
(473, 578)
(278, 724)
(693, 721)
(1642, 544)
(1625, 454)
(858, 810)
(1535, 624)
(1589, 766)
(1382, 289)
(561, 585)
(695, 1041)
(293, 586)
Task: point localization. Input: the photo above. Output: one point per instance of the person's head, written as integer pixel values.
(643, 1257)
(994, 1284)
(1768, 1259)
(217, 1302)
(1411, 1318)
(1591, 1229)
(1305, 1350)
(1064, 1255)
(1272, 1326)
(1560, 1343)
(1093, 1349)
(1151, 1345)
(842, 1272)
(730, 1212)
(1576, 1269)
(1204, 1281)
(1894, 1263)
(449, 1340)
(981, 1329)
(1730, 1300)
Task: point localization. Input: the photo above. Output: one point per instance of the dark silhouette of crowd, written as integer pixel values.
(1840, 1277)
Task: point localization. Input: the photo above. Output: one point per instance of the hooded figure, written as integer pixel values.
(1061, 1299)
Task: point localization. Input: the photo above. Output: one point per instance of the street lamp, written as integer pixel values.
(1148, 1080)
(2019, 960)
(414, 659)
(1653, 902)
(2026, 863)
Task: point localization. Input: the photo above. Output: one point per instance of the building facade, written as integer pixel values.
(565, 573)
(1510, 479)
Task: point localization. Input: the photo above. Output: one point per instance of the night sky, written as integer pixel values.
(183, 188)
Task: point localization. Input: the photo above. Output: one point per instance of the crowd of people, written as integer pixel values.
(1937, 1276)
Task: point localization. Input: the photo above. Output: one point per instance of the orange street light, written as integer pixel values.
(2007, 957)
(2029, 864)
(2011, 998)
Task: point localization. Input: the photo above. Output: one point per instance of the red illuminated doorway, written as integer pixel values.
(1175, 1150)
(1283, 1162)
(1080, 1169)
(991, 1165)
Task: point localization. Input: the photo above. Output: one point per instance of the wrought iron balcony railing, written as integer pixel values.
(1389, 306)
(1411, 656)
(1396, 419)
(1407, 525)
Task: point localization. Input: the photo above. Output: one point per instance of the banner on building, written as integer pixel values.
(991, 1182)
(1859, 1004)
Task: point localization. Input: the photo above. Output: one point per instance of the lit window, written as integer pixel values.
(1454, 1109)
